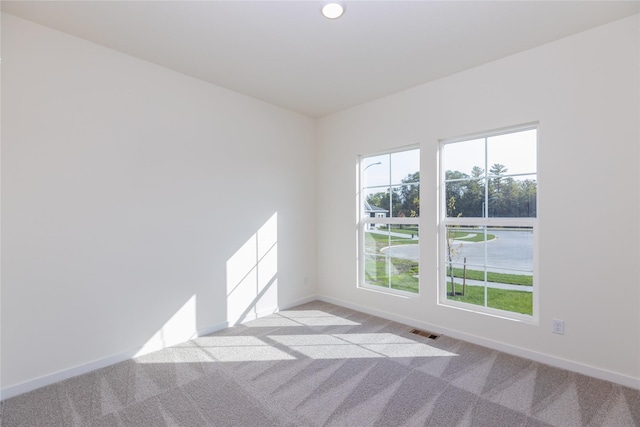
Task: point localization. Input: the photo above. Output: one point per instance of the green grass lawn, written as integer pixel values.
(514, 301)
(404, 272)
(463, 236)
(406, 230)
(512, 279)
(383, 240)
(403, 276)
(472, 236)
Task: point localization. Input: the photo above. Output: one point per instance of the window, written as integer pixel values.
(389, 212)
(488, 222)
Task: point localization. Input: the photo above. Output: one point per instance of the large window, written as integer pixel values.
(389, 212)
(488, 222)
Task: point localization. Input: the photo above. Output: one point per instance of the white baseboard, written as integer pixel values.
(15, 390)
(301, 301)
(211, 329)
(27, 386)
(557, 362)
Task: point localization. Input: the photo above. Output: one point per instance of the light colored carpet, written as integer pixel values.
(323, 365)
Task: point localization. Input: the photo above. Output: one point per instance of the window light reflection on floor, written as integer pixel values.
(236, 349)
(321, 346)
(301, 318)
(275, 347)
(337, 346)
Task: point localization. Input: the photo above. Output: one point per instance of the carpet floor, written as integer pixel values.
(323, 365)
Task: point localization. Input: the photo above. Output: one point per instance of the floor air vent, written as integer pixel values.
(427, 334)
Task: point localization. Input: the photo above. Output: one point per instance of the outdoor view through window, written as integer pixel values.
(488, 221)
(389, 221)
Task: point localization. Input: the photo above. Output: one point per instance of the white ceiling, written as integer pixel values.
(288, 54)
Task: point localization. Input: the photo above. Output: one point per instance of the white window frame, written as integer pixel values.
(364, 222)
(488, 222)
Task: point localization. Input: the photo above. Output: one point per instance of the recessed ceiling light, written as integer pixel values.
(333, 10)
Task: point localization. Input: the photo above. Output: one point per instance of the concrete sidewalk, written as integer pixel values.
(495, 285)
(393, 233)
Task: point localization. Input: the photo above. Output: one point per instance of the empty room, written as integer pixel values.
(305, 213)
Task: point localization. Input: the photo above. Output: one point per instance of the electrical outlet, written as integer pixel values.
(558, 327)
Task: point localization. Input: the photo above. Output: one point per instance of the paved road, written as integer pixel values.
(511, 250)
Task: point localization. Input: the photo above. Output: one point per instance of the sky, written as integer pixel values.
(516, 151)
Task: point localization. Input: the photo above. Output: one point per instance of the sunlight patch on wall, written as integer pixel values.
(252, 275)
(180, 327)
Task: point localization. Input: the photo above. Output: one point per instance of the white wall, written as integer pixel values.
(130, 197)
(133, 198)
(583, 91)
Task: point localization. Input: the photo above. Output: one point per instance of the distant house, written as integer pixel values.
(374, 212)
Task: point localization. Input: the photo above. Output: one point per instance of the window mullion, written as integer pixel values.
(485, 212)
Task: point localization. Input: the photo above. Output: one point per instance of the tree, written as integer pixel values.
(472, 201)
(410, 195)
(527, 198)
(451, 250)
(402, 201)
(507, 196)
(477, 172)
(497, 202)
(456, 188)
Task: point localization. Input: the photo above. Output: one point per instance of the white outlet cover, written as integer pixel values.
(558, 327)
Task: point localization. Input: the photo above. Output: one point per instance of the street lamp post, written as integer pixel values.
(372, 164)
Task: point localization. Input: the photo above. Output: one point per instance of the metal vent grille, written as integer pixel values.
(427, 334)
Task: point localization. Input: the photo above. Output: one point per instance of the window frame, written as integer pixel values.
(363, 221)
(488, 222)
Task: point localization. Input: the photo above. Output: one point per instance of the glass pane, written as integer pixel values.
(376, 270)
(405, 201)
(391, 257)
(512, 197)
(498, 259)
(465, 283)
(511, 249)
(375, 170)
(514, 152)
(404, 242)
(466, 244)
(465, 198)
(372, 239)
(510, 270)
(465, 257)
(377, 202)
(405, 167)
(466, 157)
(514, 301)
(404, 274)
